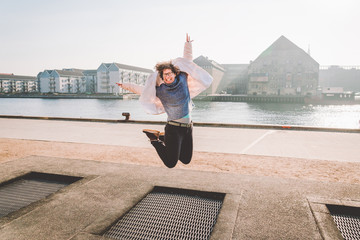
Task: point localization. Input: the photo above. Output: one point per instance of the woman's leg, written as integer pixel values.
(170, 152)
(186, 147)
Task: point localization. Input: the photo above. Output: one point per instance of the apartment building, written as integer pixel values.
(108, 74)
(10, 83)
(62, 81)
(91, 80)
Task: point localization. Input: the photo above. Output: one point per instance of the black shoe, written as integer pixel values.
(162, 137)
(153, 135)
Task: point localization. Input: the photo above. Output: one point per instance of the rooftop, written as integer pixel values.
(16, 77)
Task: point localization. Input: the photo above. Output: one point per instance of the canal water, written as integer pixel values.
(337, 116)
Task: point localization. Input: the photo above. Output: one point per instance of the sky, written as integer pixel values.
(56, 34)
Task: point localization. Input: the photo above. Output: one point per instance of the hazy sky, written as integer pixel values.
(56, 34)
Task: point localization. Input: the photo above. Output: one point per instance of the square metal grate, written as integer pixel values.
(347, 220)
(20, 192)
(167, 213)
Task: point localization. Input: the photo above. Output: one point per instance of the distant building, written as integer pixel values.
(336, 93)
(101, 80)
(228, 78)
(62, 81)
(283, 69)
(235, 79)
(347, 77)
(103, 76)
(91, 80)
(108, 74)
(10, 83)
(46, 85)
(215, 69)
(332, 95)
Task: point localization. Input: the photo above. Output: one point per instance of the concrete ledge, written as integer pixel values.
(200, 124)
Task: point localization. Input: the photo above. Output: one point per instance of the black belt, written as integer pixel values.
(180, 124)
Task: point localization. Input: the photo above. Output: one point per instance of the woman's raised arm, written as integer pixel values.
(188, 48)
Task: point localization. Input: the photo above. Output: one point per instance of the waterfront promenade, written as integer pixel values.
(266, 141)
(277, 181)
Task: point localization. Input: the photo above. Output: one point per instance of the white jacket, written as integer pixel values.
(198, 80)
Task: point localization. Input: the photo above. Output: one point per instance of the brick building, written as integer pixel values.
(283, 69)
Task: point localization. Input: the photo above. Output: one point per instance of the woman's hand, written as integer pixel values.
(188, 38)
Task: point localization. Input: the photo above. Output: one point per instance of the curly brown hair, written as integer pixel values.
(160, 67)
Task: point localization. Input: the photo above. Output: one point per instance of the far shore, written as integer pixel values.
(61, 95)
(211, 98)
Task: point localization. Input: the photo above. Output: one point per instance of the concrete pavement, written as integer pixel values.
(255, 207)
(323, 145)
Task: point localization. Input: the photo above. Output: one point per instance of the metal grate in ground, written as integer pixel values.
(347, 220)
(30, 188)
(170, 214)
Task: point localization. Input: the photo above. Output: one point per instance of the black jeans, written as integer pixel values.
(178, 145)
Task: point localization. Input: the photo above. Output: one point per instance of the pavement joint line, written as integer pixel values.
(256, 141)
